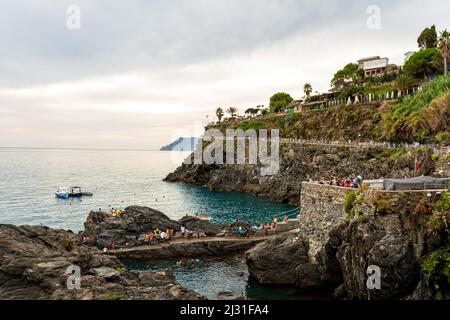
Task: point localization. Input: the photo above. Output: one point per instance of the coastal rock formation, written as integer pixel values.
(301, 163)
(128, 229)
(339, 240)
(34, 264)
(194, 224)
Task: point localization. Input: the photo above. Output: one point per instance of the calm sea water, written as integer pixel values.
(29, 178)
(210, 277)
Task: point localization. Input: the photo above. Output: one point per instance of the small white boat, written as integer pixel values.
(72, 192)
(62, 193)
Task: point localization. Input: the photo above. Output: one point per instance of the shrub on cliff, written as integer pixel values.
(437, 266)
(279, 101)
(420, 117)
(349, 202)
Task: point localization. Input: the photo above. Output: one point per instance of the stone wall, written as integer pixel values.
(334, 247)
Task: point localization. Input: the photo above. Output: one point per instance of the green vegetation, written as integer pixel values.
(346, 77)
(349, 202)
(114, 296)
(254, 124)
(279, 101)
(398, 153)
(423, 62)
(219, 114)
(382, 204)
(232, 111)
(307, 89)
(423, 117)
(404, 82)
(435, 157)
(437, 263)
(416, 117)
(439, 220)
(363, 218)
(444, 48)
(428, 38)
(252, 111)
(68, 243)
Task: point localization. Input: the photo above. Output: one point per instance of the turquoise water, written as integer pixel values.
(210, 277)
(29, 178)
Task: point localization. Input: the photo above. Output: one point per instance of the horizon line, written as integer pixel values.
(80, 148)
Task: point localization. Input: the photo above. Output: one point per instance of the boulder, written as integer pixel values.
(127, 229)
(195, 224)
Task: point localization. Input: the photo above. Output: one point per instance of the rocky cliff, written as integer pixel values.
(302, 162)
(34, 262)
(343, 232)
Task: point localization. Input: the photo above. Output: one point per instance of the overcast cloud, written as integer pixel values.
(140, 72)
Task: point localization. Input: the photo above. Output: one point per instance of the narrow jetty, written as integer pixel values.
(188, 248)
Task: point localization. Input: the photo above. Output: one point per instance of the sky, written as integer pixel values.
(139, 74)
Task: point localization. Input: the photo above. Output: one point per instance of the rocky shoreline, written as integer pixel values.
(35, 261)
(334, 248)
(303, 162)
(34, 264)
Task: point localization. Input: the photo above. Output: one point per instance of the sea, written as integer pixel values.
(120, 178)
(117, 179)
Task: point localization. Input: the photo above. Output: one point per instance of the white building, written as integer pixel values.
(373, 66)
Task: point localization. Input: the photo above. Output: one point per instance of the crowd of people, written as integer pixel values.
(158, 236)
(349, 182)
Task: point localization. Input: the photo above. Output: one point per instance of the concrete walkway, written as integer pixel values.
(188, 248)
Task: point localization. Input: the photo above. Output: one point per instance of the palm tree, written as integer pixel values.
(219, 113)
(444, 47)
(307, 89)
(232, 111)
(404, 81)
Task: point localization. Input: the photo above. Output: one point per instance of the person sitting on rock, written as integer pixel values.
(275, 221)
(163, 236)
(157, 233)
(150, 237)
(201, 234)
(168, 234)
